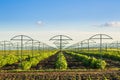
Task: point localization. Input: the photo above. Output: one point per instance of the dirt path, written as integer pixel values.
(10, 67)
(112, 64)
(48, 63)
(73, 63)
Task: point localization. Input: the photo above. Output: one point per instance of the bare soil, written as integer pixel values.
(61, 75)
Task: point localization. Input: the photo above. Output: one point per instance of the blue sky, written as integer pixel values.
(60, 15)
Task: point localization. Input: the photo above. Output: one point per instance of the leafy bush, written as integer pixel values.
(89, 61)
(61, 62)
(33, 61)
(26, 65)
(9, 59)
(100, 64)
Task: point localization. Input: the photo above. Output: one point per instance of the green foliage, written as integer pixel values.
(27, 60)
(105, 78)
(109, 54)
(89, 61)
(101, 64)
(33, 61)
(61, 62)
(26, 65)
(97, 63)
(89, 78)
(9, 59)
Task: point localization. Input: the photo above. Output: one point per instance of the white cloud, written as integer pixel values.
(110, 24)
(40, 23)
(113, 24)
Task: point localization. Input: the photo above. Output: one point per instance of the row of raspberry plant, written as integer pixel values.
(89, 61)
(10, 59)
(33, 61)
(110, 55)
(61, 62)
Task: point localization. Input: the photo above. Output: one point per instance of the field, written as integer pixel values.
(30, 59)
(61, 75)
(60, 65)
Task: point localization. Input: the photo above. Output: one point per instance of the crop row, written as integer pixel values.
(10, 59)
(61, 62)
(109, 55)
(89, 61)
(33, 61)
(25, 61)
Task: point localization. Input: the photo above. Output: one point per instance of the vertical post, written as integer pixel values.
(9, 48)
(88, 45)
(17, 49)
(4, 48)
(32, 48)
(21, 49)
(27, 49)
(39, 47)
(101, 45)
(60, 43)
(43, 48)
(60, 47)
(81, 46)
(117, 47)
(106, 47)
(78, 46)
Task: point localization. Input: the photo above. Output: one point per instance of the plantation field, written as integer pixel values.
(23, 61)
(60, 65)
(59, 60)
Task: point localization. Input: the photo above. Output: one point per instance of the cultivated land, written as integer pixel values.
(60, 65)
(31, 59)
